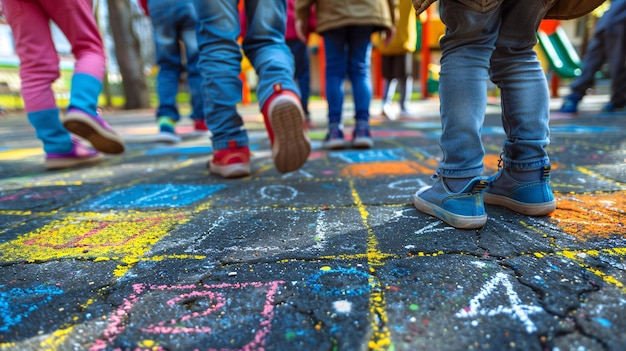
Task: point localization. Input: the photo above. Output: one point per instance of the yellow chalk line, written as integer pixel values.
(575, 255)
(578, 256)
(589, 172)
(381, 336)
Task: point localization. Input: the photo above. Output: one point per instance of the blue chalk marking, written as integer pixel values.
(401, 272)
(370, 155)
(155, 195)
(603, 322)
(16, 304)
(180, 150)
(490, 130)
(320, 289)
(581, 129)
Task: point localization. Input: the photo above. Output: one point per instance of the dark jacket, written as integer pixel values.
(562, 9)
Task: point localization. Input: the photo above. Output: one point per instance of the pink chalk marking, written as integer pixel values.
(117, 319)
(75, 242)
(38, 196)
(160, 328)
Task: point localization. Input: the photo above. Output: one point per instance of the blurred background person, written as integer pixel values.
(397, 61)
(346, 27)
(176, 45)
(608, 45)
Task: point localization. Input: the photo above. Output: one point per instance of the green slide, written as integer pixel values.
(561, 55)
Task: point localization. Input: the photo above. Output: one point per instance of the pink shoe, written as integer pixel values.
(80, 155)
(233, 162)
(94, 129)
(286, 126)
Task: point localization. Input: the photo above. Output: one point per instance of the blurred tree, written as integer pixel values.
(128, 54)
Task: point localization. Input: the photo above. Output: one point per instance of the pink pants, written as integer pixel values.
(39, 61)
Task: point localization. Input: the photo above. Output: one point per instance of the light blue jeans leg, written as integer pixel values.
(264, 44)
(220, 65)
(493, 45)
(525, 96)
(164, 18)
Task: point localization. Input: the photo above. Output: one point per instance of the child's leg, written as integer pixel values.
(466, 49)
(525, 96)
(359, 58)
(265, 46)
(278, 93)
(76, 20)
(38, 70)
(617, 63)
(336, 69)
(220, 65)
(523, 184)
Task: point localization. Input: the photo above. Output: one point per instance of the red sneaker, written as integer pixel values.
(233, 162)
(286, 126)
(199, 126)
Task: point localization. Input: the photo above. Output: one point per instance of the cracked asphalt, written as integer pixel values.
(148, 251)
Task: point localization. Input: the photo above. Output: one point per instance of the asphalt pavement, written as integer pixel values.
(148, 251)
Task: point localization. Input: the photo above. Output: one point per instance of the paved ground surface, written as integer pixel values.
(147, 251)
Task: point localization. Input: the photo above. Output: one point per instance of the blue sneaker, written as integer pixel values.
(334, 139)
(570, 103)
(611, 107)
(532, 198)
(361, 137)
(463, 210)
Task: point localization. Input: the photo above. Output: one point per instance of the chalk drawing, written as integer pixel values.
(278, 192)
(578, 129)
(27, 194)
(321, 229)
(180, 323)
(359, 287)
(369, 155)
(516, 310)
(92, 236)
(180, 150)
(154, 195)
(589, 216)
(17, 304)
(384, 168)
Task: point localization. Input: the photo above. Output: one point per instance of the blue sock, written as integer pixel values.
(84, 93)
(48, 128)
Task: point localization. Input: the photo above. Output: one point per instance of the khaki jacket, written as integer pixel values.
(331, 14)
(562, 9)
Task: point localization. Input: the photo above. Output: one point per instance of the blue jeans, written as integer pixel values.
(496, 44)
(174, 21)
(300, 52)
(348, 50)
(220, 60)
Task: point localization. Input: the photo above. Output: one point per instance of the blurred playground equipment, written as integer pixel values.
(559, 56)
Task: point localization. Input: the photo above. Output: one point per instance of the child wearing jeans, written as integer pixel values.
(277, 92)
(347, 27)
(39, 68)
(492, 40)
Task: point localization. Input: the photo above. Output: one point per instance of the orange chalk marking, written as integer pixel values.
(389, 168)
(587, 216)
